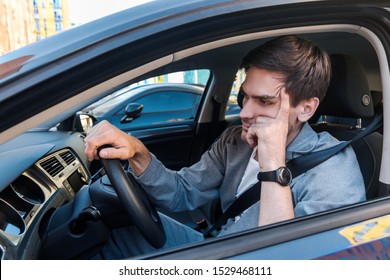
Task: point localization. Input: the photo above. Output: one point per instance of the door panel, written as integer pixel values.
(171, 144)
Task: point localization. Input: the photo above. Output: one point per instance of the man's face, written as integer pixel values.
(261, 91)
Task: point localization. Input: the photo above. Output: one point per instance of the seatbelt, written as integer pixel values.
(297, 167)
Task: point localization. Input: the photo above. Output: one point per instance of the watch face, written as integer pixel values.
(284, 176)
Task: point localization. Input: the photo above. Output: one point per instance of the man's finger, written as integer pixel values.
(284, 105)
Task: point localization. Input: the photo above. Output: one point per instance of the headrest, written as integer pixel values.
(348, 93)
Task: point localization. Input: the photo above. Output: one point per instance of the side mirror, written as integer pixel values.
(133, 111)
(83, 122)
(79, 122)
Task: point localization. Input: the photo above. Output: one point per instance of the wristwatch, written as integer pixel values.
(282, 176)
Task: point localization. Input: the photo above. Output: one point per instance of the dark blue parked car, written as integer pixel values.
(47, 198)
(152, 105)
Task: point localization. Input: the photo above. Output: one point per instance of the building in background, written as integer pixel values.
(16, 24)
(50, 17)
(23, 22)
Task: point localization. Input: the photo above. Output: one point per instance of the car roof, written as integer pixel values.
(139, 21)
(160, 14)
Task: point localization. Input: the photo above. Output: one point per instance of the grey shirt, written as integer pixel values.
(333, 183)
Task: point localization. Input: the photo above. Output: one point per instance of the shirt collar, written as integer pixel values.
(303, 143)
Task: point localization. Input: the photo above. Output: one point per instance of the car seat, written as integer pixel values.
(349, 97)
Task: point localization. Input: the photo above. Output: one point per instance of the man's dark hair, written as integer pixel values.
(305, 66)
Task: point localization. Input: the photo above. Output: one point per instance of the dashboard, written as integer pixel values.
(36, 179)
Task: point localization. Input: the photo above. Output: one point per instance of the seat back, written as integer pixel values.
(349, 98)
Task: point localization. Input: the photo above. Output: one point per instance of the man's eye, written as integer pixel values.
(264, 102)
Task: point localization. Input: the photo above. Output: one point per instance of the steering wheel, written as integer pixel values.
(135, 202)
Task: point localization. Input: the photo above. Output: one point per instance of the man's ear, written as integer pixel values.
(307, 109)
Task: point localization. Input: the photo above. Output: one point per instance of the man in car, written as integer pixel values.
(286, 78)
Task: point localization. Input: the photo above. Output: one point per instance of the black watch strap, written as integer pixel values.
(282, 176)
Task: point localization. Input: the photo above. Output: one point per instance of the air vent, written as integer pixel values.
(68, 157)
(52, 166)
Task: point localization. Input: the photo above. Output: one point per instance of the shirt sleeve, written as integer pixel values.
(189, 188)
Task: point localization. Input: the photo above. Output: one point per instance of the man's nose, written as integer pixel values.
(248, 110)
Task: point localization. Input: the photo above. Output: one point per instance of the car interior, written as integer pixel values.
(349, 98)
(48, 203)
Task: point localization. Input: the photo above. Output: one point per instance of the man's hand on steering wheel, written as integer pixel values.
(110, 145)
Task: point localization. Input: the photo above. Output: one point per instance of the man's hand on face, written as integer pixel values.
(270, 136)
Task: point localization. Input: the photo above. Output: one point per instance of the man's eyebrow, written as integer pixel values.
(265, 96)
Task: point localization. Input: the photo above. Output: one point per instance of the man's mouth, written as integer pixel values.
(246, 126)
